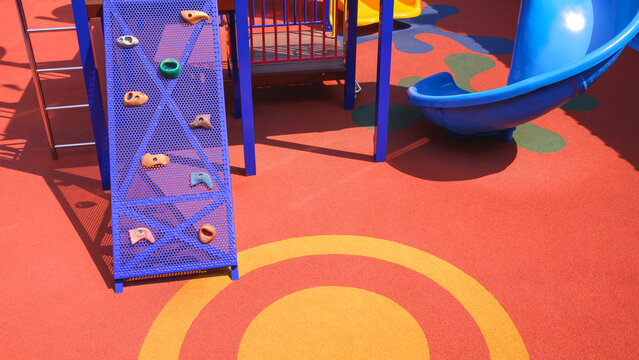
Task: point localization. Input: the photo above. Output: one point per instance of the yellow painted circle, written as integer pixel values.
(164, 338)
(333, 322)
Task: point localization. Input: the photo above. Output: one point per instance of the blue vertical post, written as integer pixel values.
(118, 286)
(351, 55)
(384, 52)
(246, 88)
(237, 103)
(92, 84)
(235, 274)
(327, 13)
(294, 12)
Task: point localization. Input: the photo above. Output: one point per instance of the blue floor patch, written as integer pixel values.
(405, 41)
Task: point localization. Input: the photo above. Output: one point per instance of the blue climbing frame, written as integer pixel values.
(164, 199)
(382, 88)
(92, 85)
(244, 85)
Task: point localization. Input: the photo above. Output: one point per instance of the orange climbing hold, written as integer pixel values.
(194, 16)
(151, 160)
(201, 121)
(135, 98)
(138, 234)
(207, 233)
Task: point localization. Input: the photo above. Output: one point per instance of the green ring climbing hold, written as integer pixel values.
(170, 68)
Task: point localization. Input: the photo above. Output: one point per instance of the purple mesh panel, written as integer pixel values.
(161, 198)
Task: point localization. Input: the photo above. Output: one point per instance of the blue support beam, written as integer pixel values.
(237, 104)
(245, 85)
(118, 287)
(384, 52)
(235, 274)
(92, 84)
(327, 13)
(351, 55)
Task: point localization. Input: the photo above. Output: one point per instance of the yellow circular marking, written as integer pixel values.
(333, 322)
(165, 337)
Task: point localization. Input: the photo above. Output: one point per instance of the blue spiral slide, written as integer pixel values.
(561, 48)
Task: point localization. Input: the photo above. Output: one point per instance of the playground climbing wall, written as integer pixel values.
(172, 207)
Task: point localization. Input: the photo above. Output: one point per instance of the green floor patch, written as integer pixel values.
(399, 116)
(581, 102)
(409, 81)
(463, 66)
(537, 139)
(466, 66)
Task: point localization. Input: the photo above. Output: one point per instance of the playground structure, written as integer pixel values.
(561, 48)
(340, 64)
(541, 227)
(463, 114)
(292, 39)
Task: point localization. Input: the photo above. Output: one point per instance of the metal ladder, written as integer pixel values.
(44, 109)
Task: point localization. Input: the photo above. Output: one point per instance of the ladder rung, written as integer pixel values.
(74, 145)
(60, 69)
(66, 107)
(63, 28)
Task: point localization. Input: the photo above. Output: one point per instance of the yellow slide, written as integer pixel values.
(368, 10)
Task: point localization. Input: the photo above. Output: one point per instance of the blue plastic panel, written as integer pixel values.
(616, 22)
(549, 66)
(161, 198)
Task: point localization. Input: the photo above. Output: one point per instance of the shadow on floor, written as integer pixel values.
(280, 110)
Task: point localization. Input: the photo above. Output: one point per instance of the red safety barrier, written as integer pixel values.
(276, 23)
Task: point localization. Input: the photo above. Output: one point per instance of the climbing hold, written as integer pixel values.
(207, 233)
(201, 121)
(194, 16)
(151, 160)
(135, 98)
(138, 234)
(200, 177)
(170, 68)
(127, 41)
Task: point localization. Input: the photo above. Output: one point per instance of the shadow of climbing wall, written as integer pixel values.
(175, 200)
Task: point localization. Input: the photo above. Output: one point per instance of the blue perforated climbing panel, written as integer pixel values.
(163, 199)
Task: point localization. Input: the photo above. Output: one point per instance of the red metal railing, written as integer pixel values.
(272, 40)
